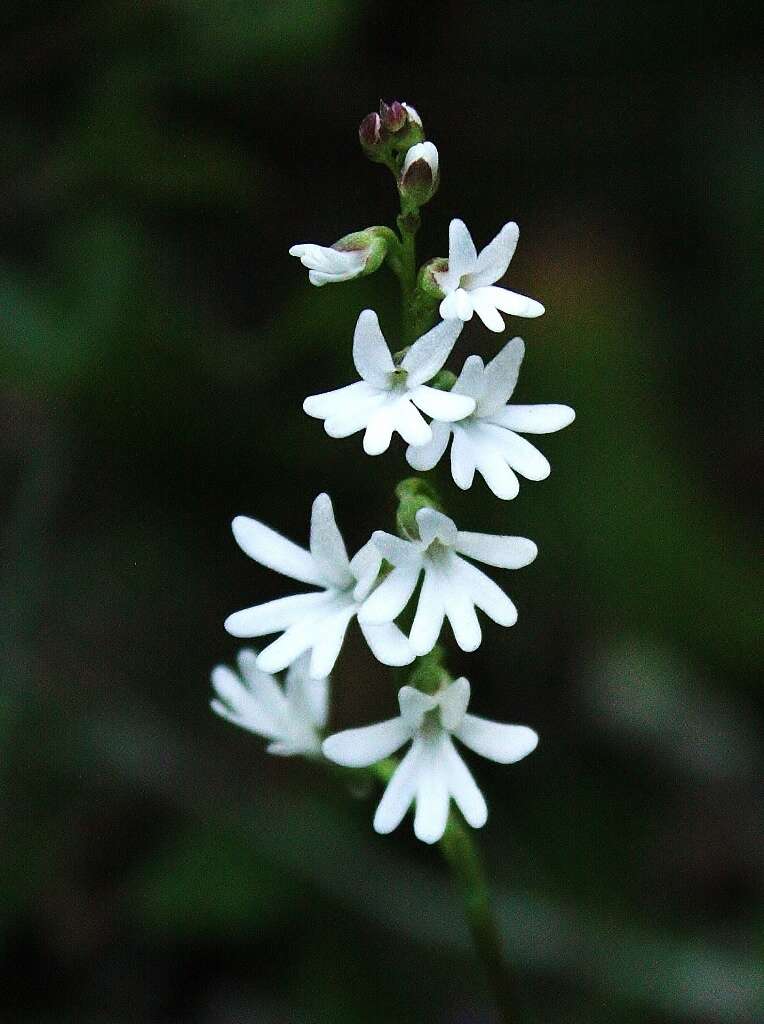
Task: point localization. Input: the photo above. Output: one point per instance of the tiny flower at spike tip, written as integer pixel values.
(315, 621)
(468, 283)
(488, 440)
(432, 771)
(453, 588)
(388, 398)
(291, 718)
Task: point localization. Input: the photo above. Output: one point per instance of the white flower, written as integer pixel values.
(328, 265)
(487, 439)
(432, 771)
(469, 282)
(388, 397)
(315, 621)
(422, 151)
(290, 718)
(452, 587)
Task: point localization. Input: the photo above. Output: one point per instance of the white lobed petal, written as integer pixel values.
(388, 644)
(462, 255)
(290, 645)
(350, 421)
(462, 786)
(410, 425)
(327, 546)
(310, 695)
(454, 701)
(470, 380)
(432, 795)
(274, 551)
(365, 565)
(534, 419)
(493, 261)
(500, 377)
(427, 456)
(495, 740)
(370, 352)
(330, 262)
(462, 460)
(379, 429)
(391, 596)
(342, 402)
(430, 612)
(359, 748)
(434, 525)
(455, 306)
(328, 643)
(460, 611)
(274, 616)
(492, 465)
(444, 406)
(509, 302)
(400, 791)
(428, 354)
(503, 552)
(485, 594)
(487, 311)
(520, 454)
(414, 706)
(396, 550)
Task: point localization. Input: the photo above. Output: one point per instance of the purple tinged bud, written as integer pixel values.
(394, 115)
(370, 130)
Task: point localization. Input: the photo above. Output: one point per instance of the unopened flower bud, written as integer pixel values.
(394, 115)
(354, 255)
(420, 175)
(414, 117)
(427, 281)
(370, 136)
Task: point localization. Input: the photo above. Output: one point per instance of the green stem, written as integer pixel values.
(408, 225)
(462, 856)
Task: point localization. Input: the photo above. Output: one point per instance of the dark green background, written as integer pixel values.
(156, 343)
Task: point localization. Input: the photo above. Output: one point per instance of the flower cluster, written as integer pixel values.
(401, 589)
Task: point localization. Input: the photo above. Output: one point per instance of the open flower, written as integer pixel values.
(291, 718)
(487, 440)
(432, 771)
(316, 621)
(468, 283)
(389, 397)
(453, 588)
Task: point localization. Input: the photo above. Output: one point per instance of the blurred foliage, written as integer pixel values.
(156, 344)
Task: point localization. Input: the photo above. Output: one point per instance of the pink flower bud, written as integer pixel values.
(370, 130)
(394, 116)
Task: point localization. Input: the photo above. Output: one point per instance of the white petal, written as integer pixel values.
(330, 263)
(328, 642)
(500, 377)
(241, 707)
(428, 354)
(388, 644)
(486, 594)
(462, 460)
(391, 596)
(432, 796)
(289, 646)
(430, 611)
(460, 612)
(503, 552)
(462, 786)
(410, 425)
(341, 402)
(365, 565)
(487, 311)
(450, 306)
(351, 421)
(493, 261)
(310, 696)
(421, 151)
(453, 703)
(370, 352)
(379, 430)
(470, 380)
(496, 741)
(534, 419)
(434, 525)
(509, 302)
(427, 456)
(358, 748)
(414, 706)
(261, 685)
(493, 467)
(519, 453)
(274, 551)
(462, 255)
(274, 616)
(327, 545)
(400, 791)
(442, 405)
(463, 304)
(396, 550)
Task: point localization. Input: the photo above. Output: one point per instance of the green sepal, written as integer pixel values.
(414, 493)
(429, 674)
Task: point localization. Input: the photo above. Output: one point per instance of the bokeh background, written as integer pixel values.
(156, 343)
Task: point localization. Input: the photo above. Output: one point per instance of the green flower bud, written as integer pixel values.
(414, 493)
(426, 280)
